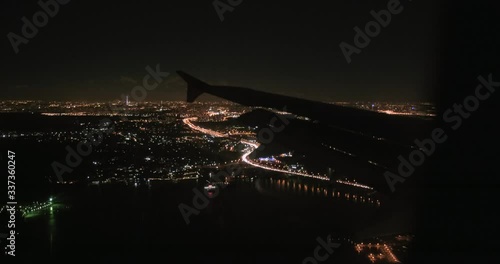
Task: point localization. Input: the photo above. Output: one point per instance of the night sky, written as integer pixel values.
(96, 50)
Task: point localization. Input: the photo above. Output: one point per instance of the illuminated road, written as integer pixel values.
(253, 146)
(188, 120)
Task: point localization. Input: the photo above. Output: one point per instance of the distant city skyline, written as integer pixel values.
(91, 108)
(296, 53)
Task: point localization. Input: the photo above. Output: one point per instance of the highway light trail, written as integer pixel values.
(355, 184)
(245, 159)
(188, 120)
(253, 146)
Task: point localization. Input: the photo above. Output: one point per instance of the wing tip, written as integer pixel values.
(195, 87)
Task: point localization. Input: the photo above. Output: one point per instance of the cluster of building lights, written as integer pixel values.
(386, 252)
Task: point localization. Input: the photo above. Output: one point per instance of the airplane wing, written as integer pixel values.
(360, 143)
(395, 128)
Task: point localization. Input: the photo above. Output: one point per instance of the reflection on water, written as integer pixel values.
(315, 189)
(117, 219)
(52, 228)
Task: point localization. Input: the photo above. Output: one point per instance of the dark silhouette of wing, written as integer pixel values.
(400, 129)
